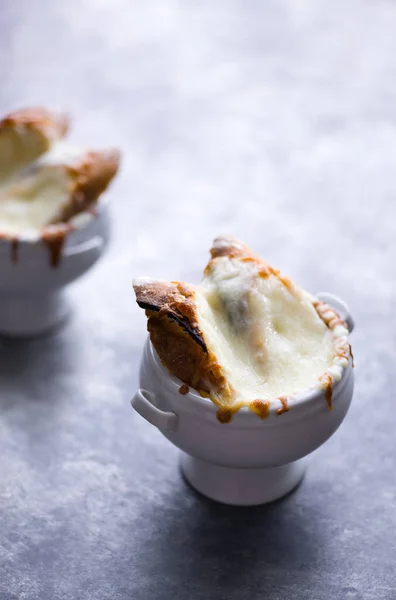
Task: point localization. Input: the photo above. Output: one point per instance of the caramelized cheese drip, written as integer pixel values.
(328, 388)
(14, 250)
(285, 406)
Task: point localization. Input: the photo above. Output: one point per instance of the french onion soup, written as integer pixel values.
(246, 335)
(45, 181)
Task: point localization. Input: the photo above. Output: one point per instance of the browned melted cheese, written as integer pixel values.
(351, 353)
(224, 415)
(14, 250)
(55, 238)
(285, 406)
(327, 384)
(261, 408)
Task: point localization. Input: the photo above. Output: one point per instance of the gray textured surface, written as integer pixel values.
(272, 120)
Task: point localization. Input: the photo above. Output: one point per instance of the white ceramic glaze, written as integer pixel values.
(247, 461)
(32, 299)
(241, 487)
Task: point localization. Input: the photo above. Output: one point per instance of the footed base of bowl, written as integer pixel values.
(241, 487)
(25, 315)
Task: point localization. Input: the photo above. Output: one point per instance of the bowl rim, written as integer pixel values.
(308, 400)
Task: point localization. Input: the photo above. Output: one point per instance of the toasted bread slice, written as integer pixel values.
(27, 134)
(88, 179)
(176, 335)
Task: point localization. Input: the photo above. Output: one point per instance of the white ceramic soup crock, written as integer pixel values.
(32, 299)
(248, 461)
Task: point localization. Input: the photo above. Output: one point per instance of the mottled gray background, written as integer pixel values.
(273, 120)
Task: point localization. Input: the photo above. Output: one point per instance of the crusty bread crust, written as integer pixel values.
(88, 180)
(48, 122)
(177, 338)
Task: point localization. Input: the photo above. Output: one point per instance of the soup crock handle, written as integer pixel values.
(340, 306)
(143, 404)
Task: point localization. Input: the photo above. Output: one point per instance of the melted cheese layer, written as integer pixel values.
(36, 196)
(266, 335)
(32, 202)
